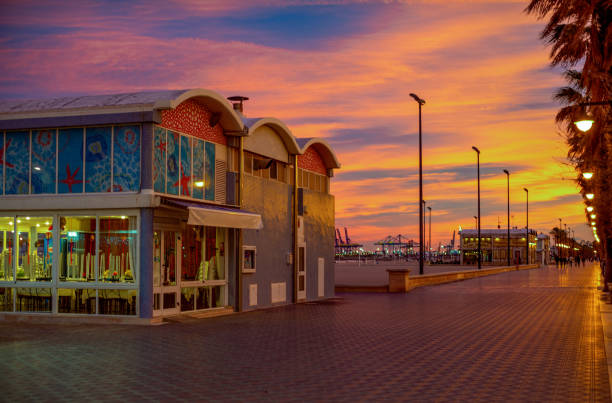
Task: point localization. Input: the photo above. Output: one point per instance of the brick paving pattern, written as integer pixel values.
(520, 336)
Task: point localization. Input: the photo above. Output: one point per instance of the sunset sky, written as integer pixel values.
(341, 70)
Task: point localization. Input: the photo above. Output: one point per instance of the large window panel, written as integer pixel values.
(33, 299)
(172, 168)
(159, 160)
(198, 168)
(7, 252)
(209, 177)
(17, 162)
(185, 174)
(77, 257)
(98, 159)
(34, 248)
(117, 302)
(44, 149)
(76, 300)
(118, 249)
(6, 299)
(70, 161)
(214, 263)
(191, 257)
(126, 159)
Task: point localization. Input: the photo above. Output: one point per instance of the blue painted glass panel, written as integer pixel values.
(98, 159)
(159, 160)
(17, 162)
(185, 180)
(198, 168)
(70, 161)
(1, 164)
(173, 148)
(43, 161)
(126, 159)
(209, 177)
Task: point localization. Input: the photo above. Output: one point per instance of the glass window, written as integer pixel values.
(273, 170)
(7, 251)
(126, 159)
(191, 257)
(299, 177)
(185, 172)
(210, 297)
(214, 264)
(117, 302)
(248, 163)
(35, 248)
(70, 161)
(17, 163)
(188, 299)
(159, 160)
(6, 300)
(198, 169)
(98, 159)
(157, 259)
(209, 172)
(43, 161)
(77, 259)
(33, 299)
(169, 261)
(249, 254)
(172, 167)
(117, 260)
(76, 300)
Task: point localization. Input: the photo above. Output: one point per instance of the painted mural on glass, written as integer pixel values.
(43, 161)
(173, 149)
(209, 177)
(159, 160)
(17, 162)
(70, 161)
(198, 169)
(98, 159)
(185, 180)
(126, 159)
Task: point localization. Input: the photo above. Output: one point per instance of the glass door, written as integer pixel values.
(301, 274)
(166, 288)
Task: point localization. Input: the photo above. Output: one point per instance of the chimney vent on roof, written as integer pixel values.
(237, 102)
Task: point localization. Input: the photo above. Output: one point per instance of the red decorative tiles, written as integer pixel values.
(312, 161)
(191, 117)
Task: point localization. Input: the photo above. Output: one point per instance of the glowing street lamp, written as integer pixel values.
(589, 208)
(593, 223)
(593, 216)
(589, 196)
(584, 123)
(478, 176)
(587, 175)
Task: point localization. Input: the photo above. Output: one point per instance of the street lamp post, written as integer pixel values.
(527, 228)
(478, 179)
(429, 243)
(560, 243)
(424, 208)
(508, 193)
(421, 102)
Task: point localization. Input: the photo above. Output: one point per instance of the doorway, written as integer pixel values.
(166, 288)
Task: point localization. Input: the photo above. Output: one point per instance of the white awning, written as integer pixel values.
(226, 218)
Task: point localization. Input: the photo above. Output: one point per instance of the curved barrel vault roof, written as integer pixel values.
(323, 148)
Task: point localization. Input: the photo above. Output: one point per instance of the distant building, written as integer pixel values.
(543, 249)
(494, 246)
(160, 203)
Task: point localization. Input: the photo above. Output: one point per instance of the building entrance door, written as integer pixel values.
(166, 289)
(301, 274)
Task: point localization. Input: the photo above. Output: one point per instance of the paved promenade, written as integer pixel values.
(530, 335)
(370, 273)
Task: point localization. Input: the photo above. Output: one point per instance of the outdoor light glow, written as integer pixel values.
(584, 125)
(587, 175)
(589, 196)
(37, 168)
(590, 208)
(123, 217)
(593, 216)
(72, 233)
(199, 184)
(593, 223)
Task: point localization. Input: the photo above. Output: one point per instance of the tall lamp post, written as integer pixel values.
(424, 208)
(429, 243)
(478, 177)
(527, 227)
(508, 193)
(560, 243)
(421, 102)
